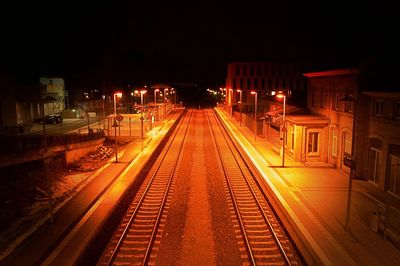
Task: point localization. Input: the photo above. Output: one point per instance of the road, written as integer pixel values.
(68, 125)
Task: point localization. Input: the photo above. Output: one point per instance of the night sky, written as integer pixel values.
(188, 41)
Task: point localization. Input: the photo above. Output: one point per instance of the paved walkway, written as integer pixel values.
(315, 197)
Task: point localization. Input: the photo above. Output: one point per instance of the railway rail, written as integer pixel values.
(137, 237)
(261, 237)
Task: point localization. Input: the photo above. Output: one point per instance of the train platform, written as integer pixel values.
(74, 224)
(314, 196)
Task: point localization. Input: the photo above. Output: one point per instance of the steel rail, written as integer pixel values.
(247, 241)
(234, 151)
(117, 247)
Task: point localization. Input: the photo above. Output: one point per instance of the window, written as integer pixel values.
(394, 169)
(237, 70)
(374, 159)
(1, 115)
(263, 83)
(276, 83)
(291, 83)
(292, 140)
(334, 142)
(270, 83)
(298, 82)
(396, 115)
(251, 70)
(312, 92)
(249, 84)
(336, 102)
(313, 142)
(258, 70)
(347, 142)
(325, 98)
(378, 108)
(266, 72)
(241, 84)
(348, 107)
(373, 164)
(255, 83)
(234, 84)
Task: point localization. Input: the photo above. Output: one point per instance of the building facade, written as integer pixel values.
(261, 77)
(333, 94)
(379, 150)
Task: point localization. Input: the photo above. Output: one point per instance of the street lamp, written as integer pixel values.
(165, 94)
(255, 113)
(142, 92)
(230, 96)
(240, 97)
(119, 95)
(104, 113)
(155, 97)
(350, 162)
(283, 128)
(174, 93)
(165, 101)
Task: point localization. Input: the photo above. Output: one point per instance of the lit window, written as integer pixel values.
(334, 142)
(347, 142)
(313, 142)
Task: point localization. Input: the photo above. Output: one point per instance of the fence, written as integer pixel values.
(24, 143)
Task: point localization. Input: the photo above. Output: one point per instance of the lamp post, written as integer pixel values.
(240, 97)
(142, 92)
(174, 93)
(165, 101)
(350, 162)
(283, 128)
(230, 96)
(104, 113)
(255, 113)
(117, 94)
(155, 97)
(44, 127)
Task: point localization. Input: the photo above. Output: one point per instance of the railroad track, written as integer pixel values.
(262, 239)
(137, 238)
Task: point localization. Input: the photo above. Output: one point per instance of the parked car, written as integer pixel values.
(52, 119)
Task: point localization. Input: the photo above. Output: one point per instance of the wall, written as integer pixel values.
(76, 151)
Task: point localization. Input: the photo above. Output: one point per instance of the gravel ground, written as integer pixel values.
(25, 190)
(198, 229)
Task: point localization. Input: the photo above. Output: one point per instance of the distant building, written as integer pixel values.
(261, 77)
(54, 95)
(21, 104)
